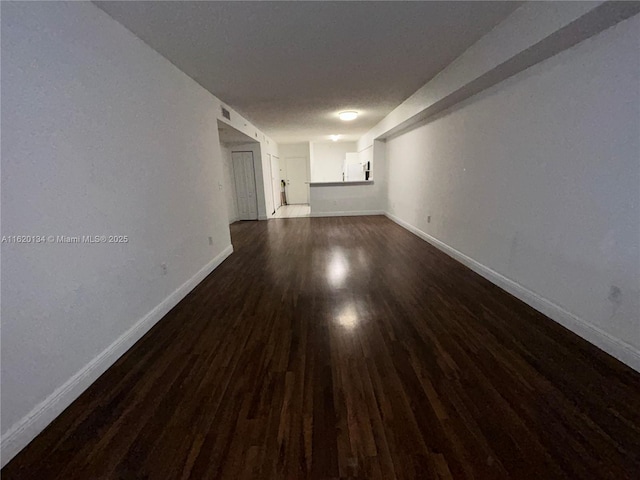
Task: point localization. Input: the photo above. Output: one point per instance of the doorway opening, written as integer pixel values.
(294, 187)
(274, 167)
(242, 181)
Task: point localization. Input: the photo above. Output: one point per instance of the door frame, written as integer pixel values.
(274, 192)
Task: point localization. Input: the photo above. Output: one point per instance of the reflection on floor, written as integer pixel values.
(291, 211)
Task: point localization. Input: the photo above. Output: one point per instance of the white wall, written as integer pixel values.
(100, 136)
(294, 150)
(328, 160)
(536, 181)
(345, 200)
(534, 31)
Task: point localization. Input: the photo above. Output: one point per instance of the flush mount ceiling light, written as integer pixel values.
(348, 115)
(334, 137)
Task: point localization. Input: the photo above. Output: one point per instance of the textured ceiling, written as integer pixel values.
(289, 67)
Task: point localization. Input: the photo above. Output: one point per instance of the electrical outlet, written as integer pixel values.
(429, 219)
(219, 186)
(163, 266)
(210, 240)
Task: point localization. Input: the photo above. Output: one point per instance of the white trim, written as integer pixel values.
(263, 217)
(349, 213)
(619, 349)
(27, 428)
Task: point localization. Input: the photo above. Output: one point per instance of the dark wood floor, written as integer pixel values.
(347, 348)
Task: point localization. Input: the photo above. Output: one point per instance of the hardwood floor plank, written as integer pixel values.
(346, 347)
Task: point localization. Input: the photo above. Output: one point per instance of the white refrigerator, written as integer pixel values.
(353, 170)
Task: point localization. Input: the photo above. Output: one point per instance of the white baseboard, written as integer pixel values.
(26, 429)
(349, 213)
(615, 347)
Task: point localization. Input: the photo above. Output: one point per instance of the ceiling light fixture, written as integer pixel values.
(334, 137)
(348, 116)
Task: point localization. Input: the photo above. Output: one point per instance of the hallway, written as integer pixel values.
(347, 347)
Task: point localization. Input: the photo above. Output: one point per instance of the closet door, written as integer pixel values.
(245, 179)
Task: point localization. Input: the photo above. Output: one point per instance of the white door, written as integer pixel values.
(245, 179)
(275, 181)
(297, 172)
